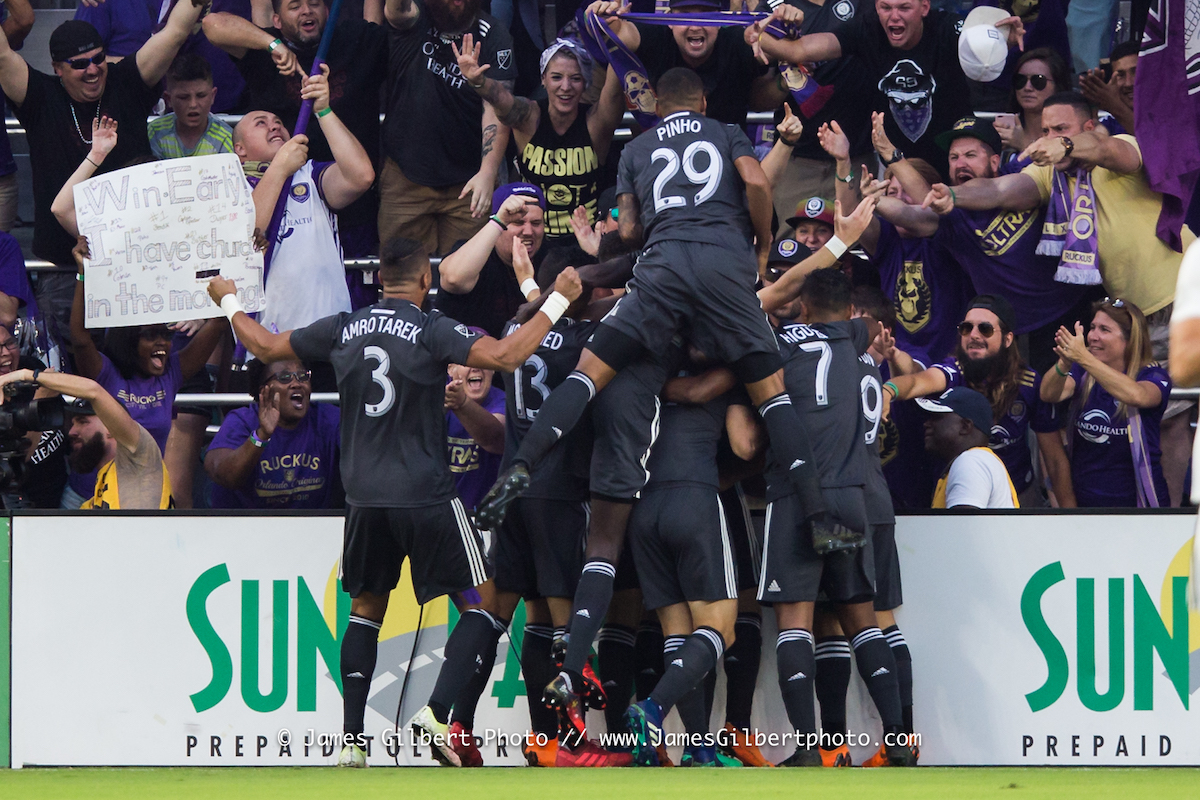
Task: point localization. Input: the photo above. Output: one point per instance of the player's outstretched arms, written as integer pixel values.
(265, 346)
(698, 389)
(507, 354)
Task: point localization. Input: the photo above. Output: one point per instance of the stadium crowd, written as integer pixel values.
(969, 269)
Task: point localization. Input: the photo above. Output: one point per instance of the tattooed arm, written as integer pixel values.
(483, 183)
(518, 113)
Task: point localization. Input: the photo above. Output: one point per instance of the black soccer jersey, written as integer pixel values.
(683, 175)
(686, 448)
(821, 371)
(875, 490)
(563, 473)
(390, 361)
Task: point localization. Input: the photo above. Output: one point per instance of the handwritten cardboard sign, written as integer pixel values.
(158, 232)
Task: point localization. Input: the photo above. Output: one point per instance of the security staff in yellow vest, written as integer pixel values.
(102, 434)
(957, 430)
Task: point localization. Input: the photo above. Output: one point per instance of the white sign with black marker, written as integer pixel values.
(158, 232)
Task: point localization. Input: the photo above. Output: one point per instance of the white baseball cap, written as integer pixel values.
(982, 47)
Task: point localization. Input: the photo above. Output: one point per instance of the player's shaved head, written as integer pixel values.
(402, 262)
(827, 291)
(679, 88)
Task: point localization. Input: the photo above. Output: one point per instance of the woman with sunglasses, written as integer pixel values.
(987, 360)
(137, 365)
(281, 451)
(1039, 74)
(562, 143)
(1118, 396)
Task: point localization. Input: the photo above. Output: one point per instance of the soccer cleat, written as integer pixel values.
(352, 756)
(593, 692)
(572, 715)
(540, 755)
(664, 760)
(735, 744)
(644, 720)
(699, 756)
(508, 487)
(427, 730)
(591, 754)
(895, 755)
(463, 742)
(803, 757)
(829, 536)
(558, 650)
(837, 757)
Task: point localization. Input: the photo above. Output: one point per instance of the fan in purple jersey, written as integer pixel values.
(1118, 395)
(474, 429)
(987, 360)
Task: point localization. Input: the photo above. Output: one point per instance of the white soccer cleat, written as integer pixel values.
(352, 756)
(427, 730)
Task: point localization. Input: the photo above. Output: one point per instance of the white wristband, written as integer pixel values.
(529, 285)
(555, 306)
(231, 305)
(837, 247)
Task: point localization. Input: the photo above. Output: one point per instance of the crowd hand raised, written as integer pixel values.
(885, 343)
(187, 327)
(587, 236)
(219, 287)
(1099, 92)
(1008, 127)
(871, 187)
(104, 136)
(316, 88)
(522, 265)
(80, 252)
(850, 228)
(513, 209)
(607, 9)
(293, 154)
(879, 139)
(480, 187)
(1016, 31)
(259, 240)
(939, 199)
(269, 401)
(834, 141)
(285, 60)
(468, 59)
(1071, 346)
(568, 284)
(790, 127)
(456, 394)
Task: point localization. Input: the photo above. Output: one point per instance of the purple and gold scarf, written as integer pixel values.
(1070, 230)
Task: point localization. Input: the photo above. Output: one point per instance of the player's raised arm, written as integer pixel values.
(758, 199)
(265, 346)
(507, 354)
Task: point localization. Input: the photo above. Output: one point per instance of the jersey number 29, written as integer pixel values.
(710, 176)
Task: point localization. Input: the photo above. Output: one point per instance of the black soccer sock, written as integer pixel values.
(360, 646)
(476, 631)
(790, 443)
(538, 669)
(557, 416)
(877, 668)
(742, 660)
(833, 679)
(686, 667)
(797, 665)
(464, 707)
(710, 692)
(592, 597)
(647, 658)
(615, 655)
(895, 640)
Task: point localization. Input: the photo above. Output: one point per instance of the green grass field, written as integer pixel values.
(524, 784)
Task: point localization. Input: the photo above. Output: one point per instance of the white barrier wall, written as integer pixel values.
(149, 640)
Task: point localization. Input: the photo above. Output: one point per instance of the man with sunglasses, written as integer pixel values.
(58, 112)
(987, 360)
(280, 452)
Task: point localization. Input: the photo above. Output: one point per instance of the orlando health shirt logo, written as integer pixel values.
(1096, 426)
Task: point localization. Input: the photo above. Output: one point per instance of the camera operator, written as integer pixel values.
(44, 471)
(103, 435)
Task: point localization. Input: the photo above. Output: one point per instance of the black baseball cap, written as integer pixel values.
(80, 407)
(999, 306)
(967, 403)
(974, 128)
(72, 38)
(786, 253)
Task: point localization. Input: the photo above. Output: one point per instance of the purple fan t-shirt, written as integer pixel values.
(1008, 436)
(296, 468)
(1101, 457)
(474, 468)
(148, 400)
(927, 287)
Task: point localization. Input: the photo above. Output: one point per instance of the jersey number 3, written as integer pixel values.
(708, 179)
(380, 376)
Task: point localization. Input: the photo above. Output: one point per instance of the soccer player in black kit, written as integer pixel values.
(390, 360)
(692, 189)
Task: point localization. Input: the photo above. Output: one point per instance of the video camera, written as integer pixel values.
(19, 414)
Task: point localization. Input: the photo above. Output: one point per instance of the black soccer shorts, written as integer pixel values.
(444, 550)
(888, 593)
(794, 573)
(538, 551)
(747, 544)
(625, 419)
(681, 546)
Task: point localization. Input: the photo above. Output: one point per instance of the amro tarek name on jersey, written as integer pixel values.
(381, 321)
